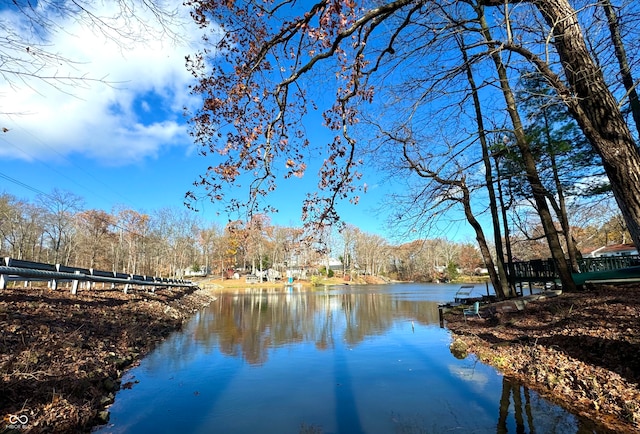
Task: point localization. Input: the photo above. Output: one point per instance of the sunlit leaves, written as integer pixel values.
(257, 88)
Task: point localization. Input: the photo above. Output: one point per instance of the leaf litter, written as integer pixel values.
(62, 356)
(580, 350)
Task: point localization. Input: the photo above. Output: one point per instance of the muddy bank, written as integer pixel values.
(580, 350)
(62, 356)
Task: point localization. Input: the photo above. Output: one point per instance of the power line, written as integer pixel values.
(53, 170)
(35, 190)
(22, 184)
(44, 144)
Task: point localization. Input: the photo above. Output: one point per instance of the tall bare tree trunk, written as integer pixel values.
(596, 110)
(502, 281)
(623, 62)
(505, 223)
(499, 281)
(529, 163)
(561, 205)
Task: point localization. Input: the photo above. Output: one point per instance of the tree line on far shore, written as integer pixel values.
(56, 228)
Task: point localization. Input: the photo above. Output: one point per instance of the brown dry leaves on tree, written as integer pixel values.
(264, 65)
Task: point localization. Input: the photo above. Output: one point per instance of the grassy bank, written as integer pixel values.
(221, 285)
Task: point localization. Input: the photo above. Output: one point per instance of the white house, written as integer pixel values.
(613, 250)
(198, 272)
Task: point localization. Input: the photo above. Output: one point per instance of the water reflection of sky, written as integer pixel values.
(364, 360)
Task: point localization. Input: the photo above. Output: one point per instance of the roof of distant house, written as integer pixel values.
(613, 249)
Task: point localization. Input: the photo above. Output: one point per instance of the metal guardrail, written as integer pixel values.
(26, 271)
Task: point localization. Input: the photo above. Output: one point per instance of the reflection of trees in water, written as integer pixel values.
(526, 404)
(510, 388)
(366, 315)
(248, 325)
(324, 323)
(178, 350)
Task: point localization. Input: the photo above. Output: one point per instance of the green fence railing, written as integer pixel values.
(602, 268)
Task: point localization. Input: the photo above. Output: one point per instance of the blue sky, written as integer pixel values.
(122, 139)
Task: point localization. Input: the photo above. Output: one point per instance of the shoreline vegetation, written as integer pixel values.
(234, 284)
(62, 356)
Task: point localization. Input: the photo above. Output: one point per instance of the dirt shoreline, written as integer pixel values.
(62, 356)
(580, 350)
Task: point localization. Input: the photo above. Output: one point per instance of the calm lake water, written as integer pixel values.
(347, 360)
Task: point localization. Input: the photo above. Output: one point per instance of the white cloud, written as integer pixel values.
(131, 115)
